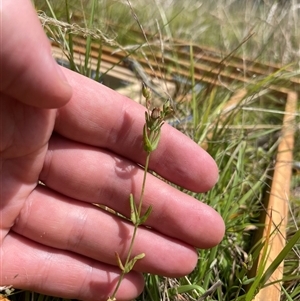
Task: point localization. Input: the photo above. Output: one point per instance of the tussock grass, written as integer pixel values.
(243, 141)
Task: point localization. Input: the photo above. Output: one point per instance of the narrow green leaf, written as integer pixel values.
(143, 218)
(288, 298)
(155, 140)
(129, 266)
(120, 264)
(146, 142)
(133, 210)
(262, 264)
(89, 39)
(185, 289)
(281, 256)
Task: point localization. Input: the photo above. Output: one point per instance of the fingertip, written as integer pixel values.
(43, 83)
(183, 162)
(204, 172)
(214, 230)
(211, 171)
(220, 229)
(54, 90)
(189, 264)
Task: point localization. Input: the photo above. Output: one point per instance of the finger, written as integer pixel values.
(96, 176)
(101, 117)
(79, 227)
(28, 71)
(31, 266)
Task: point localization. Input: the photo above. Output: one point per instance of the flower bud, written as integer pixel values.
(155, 114)
(146, 91)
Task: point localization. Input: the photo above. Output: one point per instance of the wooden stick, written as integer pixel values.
(277, 207)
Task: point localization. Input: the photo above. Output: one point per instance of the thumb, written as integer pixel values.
(28, 71)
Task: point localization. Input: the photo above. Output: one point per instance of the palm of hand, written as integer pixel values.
(25, 134)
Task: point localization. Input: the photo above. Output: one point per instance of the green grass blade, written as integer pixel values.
(281, 256)
(89, 40)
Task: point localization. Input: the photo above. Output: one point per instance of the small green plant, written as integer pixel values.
(151, 135)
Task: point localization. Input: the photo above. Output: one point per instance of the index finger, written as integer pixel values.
(99, 116)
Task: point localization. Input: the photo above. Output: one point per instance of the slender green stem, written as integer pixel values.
(89, 41)
(135, 226)
(144, 183)
(70, 39)
(139, 208)
(194, 100)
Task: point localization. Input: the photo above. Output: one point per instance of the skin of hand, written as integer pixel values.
(84, 141)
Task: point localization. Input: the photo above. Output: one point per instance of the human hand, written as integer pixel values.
(85, 144)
